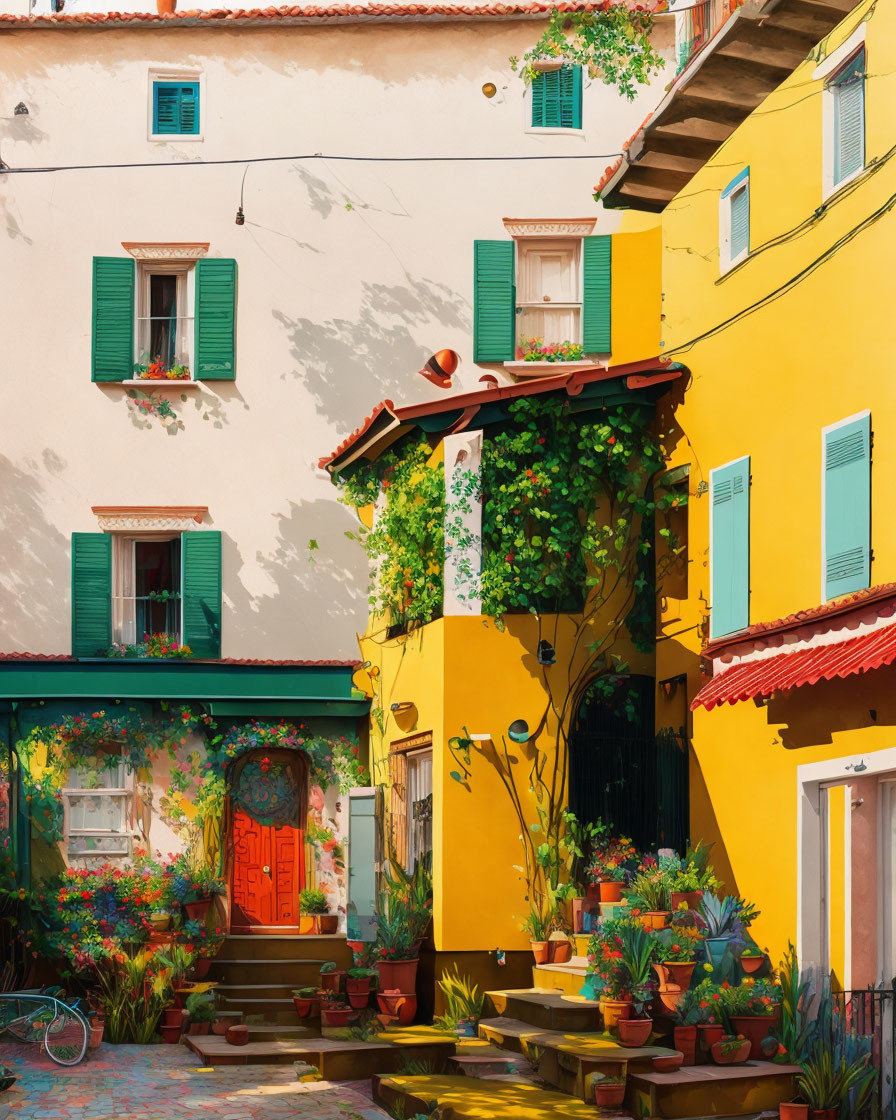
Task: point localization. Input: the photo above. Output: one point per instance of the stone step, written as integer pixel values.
(463, 1098)
(246, 946)
(573, 1062)
(567, 979)
(548, 1009)
(491, 1064)
(232, 992)
(296, 973)
(717, 1091)
(279, 1032)
(336, 1059)
(274, 1011)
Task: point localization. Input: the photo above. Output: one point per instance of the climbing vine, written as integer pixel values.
(406, 542)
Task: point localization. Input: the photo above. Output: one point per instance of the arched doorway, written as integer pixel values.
(623, 773)
(268, 800)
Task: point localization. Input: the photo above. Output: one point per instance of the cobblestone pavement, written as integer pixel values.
(164, 1083)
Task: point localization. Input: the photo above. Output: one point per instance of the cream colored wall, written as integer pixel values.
(350, 276)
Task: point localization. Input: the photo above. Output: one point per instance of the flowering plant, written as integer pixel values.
(701, 1005)
(156, 370)
(676, 945)
(752, 997)
(605, 958)
(198, 940)
(614, 858)
(535, 350)
(153, 645)
(193, 880)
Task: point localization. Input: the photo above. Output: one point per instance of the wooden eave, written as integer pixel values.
(750, 56)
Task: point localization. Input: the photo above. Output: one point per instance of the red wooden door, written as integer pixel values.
(268, 863)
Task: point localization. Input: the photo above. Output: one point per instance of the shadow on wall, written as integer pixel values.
(813, 714)
(308, 603)
(34, 564)
(349, 364)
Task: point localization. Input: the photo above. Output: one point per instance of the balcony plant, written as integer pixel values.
(157, 370)
(535, 350)
(153, 645)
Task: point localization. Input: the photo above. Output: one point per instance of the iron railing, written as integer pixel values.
(871, 1013)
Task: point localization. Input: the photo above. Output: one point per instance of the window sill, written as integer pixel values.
(533, 131)
(155, 383)
(176, 138)
(542, 369)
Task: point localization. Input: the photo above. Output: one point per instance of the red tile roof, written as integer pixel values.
(219, 661)
(794, 668)
(365, 13)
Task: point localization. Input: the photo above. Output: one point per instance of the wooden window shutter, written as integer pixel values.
(201, 553)
(398, 805)
(597, 292)
(557, 98)
(215, 349)
(740, 222)
(91, 594)
(849, 118)
(847, 507)
(112, 352)
(175, 108)
(494, 301)
(729, 550)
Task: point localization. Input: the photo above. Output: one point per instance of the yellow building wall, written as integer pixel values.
(636, 301)
(793, 339)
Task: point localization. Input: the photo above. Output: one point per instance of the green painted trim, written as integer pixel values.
(184, 680)
(269, 709)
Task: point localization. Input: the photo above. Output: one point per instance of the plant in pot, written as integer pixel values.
(307, 1002)
(754, 1010)
(538, 926)
(648, 896)
(613, 861)
(609, 1092)
(608, 979)
(637, 949)
(313, 904)
(202, 1012)
(334, 1011)
(331, 977)
(675, 952)
(731, 1050)
(752, 959)
(463, 1004)
(396, 950)
(712, 1004)
(828, 1081)
(696, 1009)
(717, 917)
(692, 878)
(194, 885)
(359, 983)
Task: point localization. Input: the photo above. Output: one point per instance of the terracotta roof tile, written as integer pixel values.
(313, 13)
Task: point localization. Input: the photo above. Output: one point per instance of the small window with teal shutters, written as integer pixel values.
(734, 221)
(557, 98)
(846, 119)
(175, 109)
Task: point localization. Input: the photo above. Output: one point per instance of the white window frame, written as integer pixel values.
(123, 793)
(827, 72)
(174, 76)
(738, 183)
(185, 271)
(824, 489)
(412, 854)
(524, 246)
(124, 575)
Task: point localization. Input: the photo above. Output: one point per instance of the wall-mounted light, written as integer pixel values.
(21, 110)
(404, 706)
(489, 89)
(519, 731)
(240, 218)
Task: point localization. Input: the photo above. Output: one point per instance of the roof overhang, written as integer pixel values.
(588, 387)
(755, 50)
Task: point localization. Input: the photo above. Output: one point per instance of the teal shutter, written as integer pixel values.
(215, 330)
(557, 98)
(847, 507)
(91, 594)
(597, 290)
(112, 355)
(740, 222)
(849, 118)
(729, 548)
(361, 924)
(175, 108)
(494, 301)
(201, 592)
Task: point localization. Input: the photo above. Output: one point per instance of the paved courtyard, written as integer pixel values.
(163, 1082)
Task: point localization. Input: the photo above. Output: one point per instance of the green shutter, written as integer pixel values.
(175, 108)
(847, 507)
(91, 594)
(729, 550)
(361, 924)
(557, 98)
(740, 222)
(113, 318)
(201, 591)
(215, 357)
(494, 301)
(597, 290)
(849, 118)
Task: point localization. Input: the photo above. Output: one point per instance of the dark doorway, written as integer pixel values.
(622, 772)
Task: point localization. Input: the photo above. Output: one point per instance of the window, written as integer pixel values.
(557, 98)
(846, 506)
(165, 321)
(97, 804)
(734, 221)
(846, 91)
(419, 779)
(729, 547)
(175, 109)
(549, 295)
(146, 581)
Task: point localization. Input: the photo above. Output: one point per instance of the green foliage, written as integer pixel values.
(406, 543)
(828, 1080)
(463, 999)
(313, 901)
(718, 915)
(613, 44)
(638, 953)
(410, 894)
(538, 922)
(201, 1006)
(650, 890)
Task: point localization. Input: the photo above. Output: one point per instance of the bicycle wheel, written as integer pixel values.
(28, 1025)
(66, 1037)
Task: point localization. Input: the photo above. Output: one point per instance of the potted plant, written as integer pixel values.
(609, 1092)
(793, 1110)
(752, 959)
(753, 1009)
(614, 860)
(358, 986)
(538, 926)
(400, 1006)
(637, 951)
(334, 1011)
(463, 1004)
(307, 1002)
(605, 973)
(826, 1081)
(313, 904)
(731, 1050)
(331, 977)
(694, 876)
(717, 917)
(698, 1007)
(194, 885)
(676, 949)
(396, 951)
(97, 1026)
(648, 894)
(160, 920)
(202, 1011)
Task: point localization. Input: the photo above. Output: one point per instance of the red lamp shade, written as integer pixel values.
(440, 367)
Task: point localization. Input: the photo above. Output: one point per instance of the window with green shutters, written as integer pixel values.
(734, 220)
(125, 343)
(91, 594)
(557, 98)
(847, 90)
(175, 108)
(846, 506)
(201, 552)
(494, 301)
(729, 547)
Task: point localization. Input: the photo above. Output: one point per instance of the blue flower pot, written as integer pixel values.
(715, 949)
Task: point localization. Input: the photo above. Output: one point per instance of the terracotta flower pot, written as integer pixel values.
(199, 968)
(613, 1010)
(306, 924)
(96, 1035)
(610, 891)
(165, 7)
(539, 951)
(634, 1032)
(680, 973)
(331, 981)
(173, 1017)
(196, 911)
(219, 1026)
(752, 964)
(691, 898)
(170, 1034)
(708, 1034)
(656, 919)
(793, 1110)
(755, 1028)
(559, 951)
(334, 1016)
(668, 1063)
(823, 1113)
(400, 1004)
(237, 1035)
(327, 923)
(398, 974)
(685, 1040)
(733, 1057)
(307, 1008)
(608, 1096)
(199, 1028)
